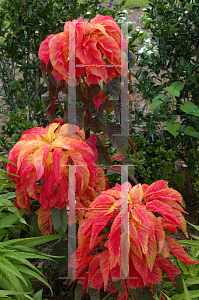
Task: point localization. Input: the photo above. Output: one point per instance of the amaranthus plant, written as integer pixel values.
(99, 66)
(41, 160)
(153, 212)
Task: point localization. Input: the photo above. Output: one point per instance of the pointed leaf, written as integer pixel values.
(60, 219)
(120, 142)
(179, 252)
(97, 123)
(164, 210)
(103, 154)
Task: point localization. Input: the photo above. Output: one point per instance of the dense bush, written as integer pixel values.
(169, 79)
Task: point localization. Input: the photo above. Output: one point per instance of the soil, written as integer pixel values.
(62, 289)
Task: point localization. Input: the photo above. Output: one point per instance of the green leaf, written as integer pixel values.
(33, 241)
(190, 108)
(7, 196)
(155, 102)
(186, 292)
(21, 258)
(173, 127)
(179, 179)
(172, 92)
(167, 169)
(191, 131)
(60, 219)
(4, 293)
(195, 226)
(118, 285)
(6, 160)
(34, 230)
(146, 294)
(193, 295)
(183, 267)
(78, 291)
(192, 281)
(6, 265)
(93, 293)
(175, 88)
(132, 59)
(177, 85)
(34, 274)
(167, 297)
(185, 243)
(38, 295)
(8, 221)
(60, 249)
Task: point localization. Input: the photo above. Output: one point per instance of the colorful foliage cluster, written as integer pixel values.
(41, 159)
(153, 212)
(93, 40)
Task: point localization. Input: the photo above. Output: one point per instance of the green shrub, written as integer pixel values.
(15, 268)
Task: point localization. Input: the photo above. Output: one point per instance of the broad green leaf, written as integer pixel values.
(60, 219)
(78, 291)
(118, 285)
(132, 59)
(190, 108)
(175, 88)
(173, 127)
(179, 179)
(146, 294)
(34, 230)
(167, 169)
(94, 294)
(38, 295)
(155, 103)
(172, 92)
(191, 131)
(177, 85)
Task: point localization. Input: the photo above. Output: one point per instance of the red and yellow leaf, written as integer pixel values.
(177, 250)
